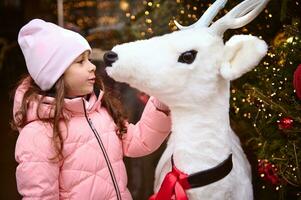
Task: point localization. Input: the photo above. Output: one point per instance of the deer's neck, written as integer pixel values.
(201, 133)
(201, 122)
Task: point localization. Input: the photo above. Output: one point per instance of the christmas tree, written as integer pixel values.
(265, 99)
(265, 107)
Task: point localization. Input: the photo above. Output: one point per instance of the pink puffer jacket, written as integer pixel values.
(93, 166)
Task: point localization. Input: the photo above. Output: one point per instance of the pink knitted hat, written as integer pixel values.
(49, 50)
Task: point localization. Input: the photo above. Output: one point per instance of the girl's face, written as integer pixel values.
(79, 78)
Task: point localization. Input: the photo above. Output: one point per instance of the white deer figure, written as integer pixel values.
(190, 70)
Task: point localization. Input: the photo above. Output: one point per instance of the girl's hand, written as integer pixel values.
(161, 106)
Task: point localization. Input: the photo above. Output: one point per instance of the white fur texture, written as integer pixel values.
(241, 55)
(198, 97)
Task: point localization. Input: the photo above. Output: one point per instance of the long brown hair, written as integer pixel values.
(110, 101)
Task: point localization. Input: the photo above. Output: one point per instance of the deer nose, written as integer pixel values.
(110, 57)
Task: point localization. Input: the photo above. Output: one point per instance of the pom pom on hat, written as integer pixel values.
(49, 50)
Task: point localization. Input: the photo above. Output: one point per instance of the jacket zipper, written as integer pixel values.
(104, 153)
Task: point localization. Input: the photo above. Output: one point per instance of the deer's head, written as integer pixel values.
(192, 64)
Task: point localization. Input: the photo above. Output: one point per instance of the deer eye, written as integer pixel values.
(187, 57)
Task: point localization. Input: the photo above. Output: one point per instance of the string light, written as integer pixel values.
(148, 21)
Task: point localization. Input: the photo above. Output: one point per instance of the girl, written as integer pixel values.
(73, 136)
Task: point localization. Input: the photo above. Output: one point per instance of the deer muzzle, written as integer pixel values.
(109, 58)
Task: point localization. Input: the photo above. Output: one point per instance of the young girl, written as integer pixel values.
(73, 135)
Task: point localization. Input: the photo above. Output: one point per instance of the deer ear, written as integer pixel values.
(241, 54)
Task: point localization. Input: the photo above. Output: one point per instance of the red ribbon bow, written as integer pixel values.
(173, 187)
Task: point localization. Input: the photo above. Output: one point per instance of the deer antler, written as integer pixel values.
(239, 16)
(207, 17)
